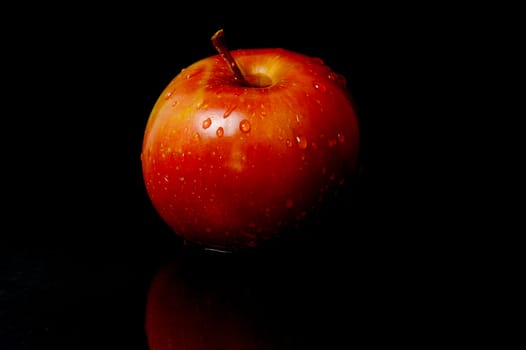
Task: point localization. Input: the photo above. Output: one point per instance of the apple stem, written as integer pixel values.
(218, 40)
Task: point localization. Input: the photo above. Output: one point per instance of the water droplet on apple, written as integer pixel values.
(229, 111)
(196, 136)
(220, 131)
(338, 78)
(189, 75)
(302, 141)
(288, 143)
(244, 126)
(298, 120)
(319, 86)
(289, 203)
(206, 123)
(341, 138)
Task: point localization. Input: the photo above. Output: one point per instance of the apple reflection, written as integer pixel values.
(212, 300)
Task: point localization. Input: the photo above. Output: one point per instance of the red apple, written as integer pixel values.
(242, 146)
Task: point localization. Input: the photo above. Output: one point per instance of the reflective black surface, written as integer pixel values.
(80, 242)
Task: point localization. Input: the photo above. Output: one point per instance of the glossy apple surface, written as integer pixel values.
(230, 165)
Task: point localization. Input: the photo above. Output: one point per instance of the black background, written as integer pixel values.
(80, 239)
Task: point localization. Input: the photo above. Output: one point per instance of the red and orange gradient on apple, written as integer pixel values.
(246, 144)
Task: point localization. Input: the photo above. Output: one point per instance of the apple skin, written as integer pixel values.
(229, 166)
